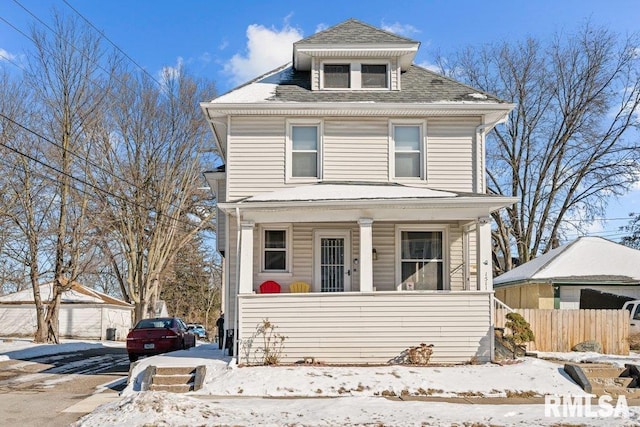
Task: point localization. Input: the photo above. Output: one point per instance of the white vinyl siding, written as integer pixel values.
(450, 159)
(221, 217)
(352, 150)
(374, 327)
(256, 157)
(355, 150)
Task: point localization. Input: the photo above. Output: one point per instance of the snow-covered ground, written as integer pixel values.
(307, 395)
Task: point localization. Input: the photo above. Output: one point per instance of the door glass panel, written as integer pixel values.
(332, 264)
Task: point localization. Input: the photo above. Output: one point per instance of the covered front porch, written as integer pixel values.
(388, 268)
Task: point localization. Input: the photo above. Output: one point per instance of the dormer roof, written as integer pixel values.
(353, 38)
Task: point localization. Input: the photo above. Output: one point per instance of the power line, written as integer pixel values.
(91, 60)
(82, 181)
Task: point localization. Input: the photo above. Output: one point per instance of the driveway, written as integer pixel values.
(43, 390)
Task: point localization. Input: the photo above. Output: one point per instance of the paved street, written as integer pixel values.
(37, 391)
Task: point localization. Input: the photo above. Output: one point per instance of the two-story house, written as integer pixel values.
(363, 175)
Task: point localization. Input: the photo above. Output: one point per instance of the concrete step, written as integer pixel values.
(604, 371)
(177, 388)
(614, 391)
(172, 379)
(602, 381)
(175, 370)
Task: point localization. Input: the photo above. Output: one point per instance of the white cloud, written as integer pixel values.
(432, 67)
(223, 45)
(400, 29)
(170, 72)
(7, 56)
(267, 48)
(321, 27)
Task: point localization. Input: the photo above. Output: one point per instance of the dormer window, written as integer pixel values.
(374, 76)
(337, 76)
(354, 75)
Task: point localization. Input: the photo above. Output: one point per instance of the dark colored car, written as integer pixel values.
(158, 335)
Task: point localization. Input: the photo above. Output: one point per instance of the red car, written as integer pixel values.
(158, 335)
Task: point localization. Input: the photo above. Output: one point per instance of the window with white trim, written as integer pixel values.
(275, 249)
(355, 75)
(304, 143)
(421, 259)
(408, 150)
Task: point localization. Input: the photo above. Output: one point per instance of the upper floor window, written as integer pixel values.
(337, 76)
(303, 150)
(374, 76)
(355, 75)
(408, 150)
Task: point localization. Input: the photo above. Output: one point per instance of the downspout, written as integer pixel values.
(480, 134)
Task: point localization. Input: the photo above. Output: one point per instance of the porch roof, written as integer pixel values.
(370, 199)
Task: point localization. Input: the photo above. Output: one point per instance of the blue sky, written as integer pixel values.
(232, 41)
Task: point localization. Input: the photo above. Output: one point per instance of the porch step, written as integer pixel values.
(606, 379)
(180, 379)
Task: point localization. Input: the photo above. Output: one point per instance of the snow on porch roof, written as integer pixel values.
(351, 191)
(77, 294)
(585, 259)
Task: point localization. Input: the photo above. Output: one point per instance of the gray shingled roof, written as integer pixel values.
(353, 31)
(419, 85)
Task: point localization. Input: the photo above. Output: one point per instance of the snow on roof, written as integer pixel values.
(260, 89)
(349, 192)
(77, 294)
(583, 258)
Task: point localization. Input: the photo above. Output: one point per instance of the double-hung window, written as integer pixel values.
(408, 150)
(422, 259)
(275, 250)
(304, 151)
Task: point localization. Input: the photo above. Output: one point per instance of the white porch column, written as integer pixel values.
(245, 276)
(366, 258)
(483, 251)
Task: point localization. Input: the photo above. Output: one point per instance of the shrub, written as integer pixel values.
(520, 331)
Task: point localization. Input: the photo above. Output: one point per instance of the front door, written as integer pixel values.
(332, 260)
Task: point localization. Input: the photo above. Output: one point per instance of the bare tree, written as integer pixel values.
(70, 77)
(152, 154)
(567, 147)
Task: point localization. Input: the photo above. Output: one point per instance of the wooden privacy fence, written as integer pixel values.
(559, 330)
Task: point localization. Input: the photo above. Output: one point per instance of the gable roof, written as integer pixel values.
(587, 259)
(78, 294)
(353, 31)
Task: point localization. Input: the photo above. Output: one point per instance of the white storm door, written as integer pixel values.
(332, 261)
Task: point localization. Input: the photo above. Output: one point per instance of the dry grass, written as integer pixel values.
(634, 342)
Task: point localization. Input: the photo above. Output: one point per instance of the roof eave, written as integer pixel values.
(492, 203)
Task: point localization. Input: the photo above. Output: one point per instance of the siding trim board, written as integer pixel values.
(372, 328)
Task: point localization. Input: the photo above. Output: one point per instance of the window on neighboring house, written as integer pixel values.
(304, 151)
(337, 76)
(275, 250)
(374, 76)
(408, 151)
(421, 260)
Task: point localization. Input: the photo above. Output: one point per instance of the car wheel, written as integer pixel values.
(133, 357)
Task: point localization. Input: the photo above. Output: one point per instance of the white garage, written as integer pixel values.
(84, 313)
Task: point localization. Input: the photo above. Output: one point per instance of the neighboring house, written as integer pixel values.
(363, 175)
(84, 313)
(560, 277)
